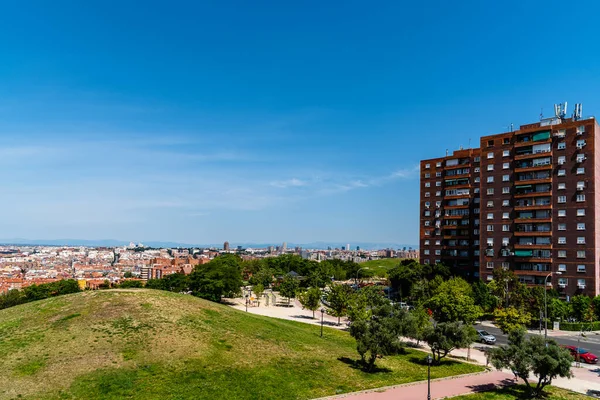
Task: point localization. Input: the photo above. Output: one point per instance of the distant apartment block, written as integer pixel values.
(526, 200)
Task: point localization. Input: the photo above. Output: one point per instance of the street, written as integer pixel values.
(591, 342)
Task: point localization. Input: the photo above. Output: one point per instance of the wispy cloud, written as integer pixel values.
(293, 182)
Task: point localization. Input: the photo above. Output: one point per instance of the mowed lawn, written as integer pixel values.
(518, 392)
(377, 268)
(147, 344)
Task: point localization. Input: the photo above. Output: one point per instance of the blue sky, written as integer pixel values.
(264, 121)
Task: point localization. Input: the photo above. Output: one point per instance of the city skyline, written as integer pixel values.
(280, 123)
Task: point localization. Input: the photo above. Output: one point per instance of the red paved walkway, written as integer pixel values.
(439, 389)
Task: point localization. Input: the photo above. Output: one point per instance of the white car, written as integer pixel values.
(486, 337)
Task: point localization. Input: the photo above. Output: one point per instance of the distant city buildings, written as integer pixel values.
(226, 246)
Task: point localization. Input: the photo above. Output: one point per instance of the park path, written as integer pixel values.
(440, 388)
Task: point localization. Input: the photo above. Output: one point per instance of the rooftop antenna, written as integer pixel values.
(577, 112)
(512, 128)
(541, 113)
(446, 152)
(469, 142)
(560, 110)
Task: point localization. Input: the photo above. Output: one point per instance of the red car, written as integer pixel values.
(584, 355)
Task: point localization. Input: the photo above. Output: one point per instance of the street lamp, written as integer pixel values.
(546, 303)
(322, 313)
(357, 275)
(429, 360)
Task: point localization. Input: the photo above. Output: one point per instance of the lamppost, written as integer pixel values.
(322, 313)
(429, 359)
(356, 281)
(546, 303)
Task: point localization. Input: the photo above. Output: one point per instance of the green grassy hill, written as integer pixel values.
(145, 344)
(378, 267)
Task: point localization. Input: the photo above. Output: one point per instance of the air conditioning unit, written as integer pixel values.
(580, 187)
(562, 285)
(580, 159)
(581, 286)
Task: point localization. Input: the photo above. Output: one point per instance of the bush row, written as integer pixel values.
(578, 326)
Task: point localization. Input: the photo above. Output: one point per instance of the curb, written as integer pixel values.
(384, 388)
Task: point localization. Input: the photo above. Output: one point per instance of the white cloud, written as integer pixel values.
(294, 182)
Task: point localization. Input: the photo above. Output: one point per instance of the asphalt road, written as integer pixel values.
(591, 342)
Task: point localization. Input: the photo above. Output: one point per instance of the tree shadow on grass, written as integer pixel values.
(509, 389)
(486, 387)
(423, 361)
(358, 364)
(228, 302)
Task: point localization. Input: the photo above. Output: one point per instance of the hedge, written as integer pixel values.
(578, 326)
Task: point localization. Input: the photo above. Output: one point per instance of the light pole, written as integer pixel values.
(356, 281)
(322, 313)
(546, 303)
(429, 377)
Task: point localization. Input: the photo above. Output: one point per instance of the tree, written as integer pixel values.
(128, 274)
(447, 336)
(558, 310)
(421, 323)
(533, 355)
(289, 287)
(258, 290)
(403, 276)
(311, 299)
(380, 333)
(130, 283)
(339, 299)
(264, 276)
(507, 288)
(453, 301)
(221, 277)
(483, 297)
(581, 305)
(511, 319)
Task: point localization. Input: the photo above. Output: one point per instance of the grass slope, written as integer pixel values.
(146, 344)
(378, 267)
(518, 392)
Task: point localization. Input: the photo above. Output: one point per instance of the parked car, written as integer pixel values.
(486, 337)
(584, 355)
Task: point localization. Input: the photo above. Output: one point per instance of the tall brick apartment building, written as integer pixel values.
(527, 200)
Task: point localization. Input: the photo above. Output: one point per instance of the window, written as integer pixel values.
(581, 283)
(438, 183)
(490, 277)
(490, 155)
(426, 261)
(490, 179)
(505, 190)
(562, 186)
(438, 242)
(562, 282)
(438, 164)
(476, 211)
(427, 184)
(562, 160)
(438, 252)
(438, 193)
(562, 240)
(505, 215)
(562, 254)
(490, 216)
(562, 145)
(580, 253)
(580, 197)
(427, 165)
(490, 167)
(580, 130)
(580, 171)
(562, 199)
(475, 231)
(426, 243)
(562, 213)
(427, 175)
(580, 240)
(580, 158)
(505, 203)
(427, 223)
(438, 174)
(477, 159)
(426, 252)
(477, 169)
(490, 191)
(581, 268)
(427, 194)
(562, 267)
(477, 179)
(490, 203)
(505, 153)
(580, 144)
(505, 178)
(580, 212)
(490, 228)
(505, 165)
(562, 227)
(427, 233)
(490, 264)
(490, 241)
(505, 228)
(581, 226)
(505, 241)
(562, 172)
(427, 213)
(427, 204)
